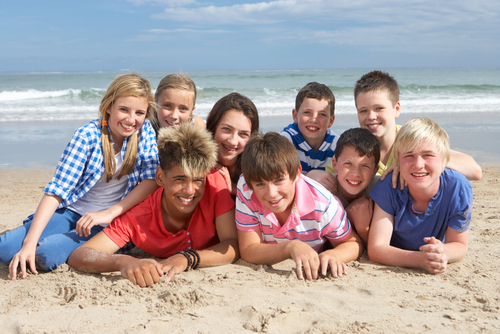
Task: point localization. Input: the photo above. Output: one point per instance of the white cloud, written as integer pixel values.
(358, 12)
(390, 23)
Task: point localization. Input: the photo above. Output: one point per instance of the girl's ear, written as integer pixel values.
(159, 177)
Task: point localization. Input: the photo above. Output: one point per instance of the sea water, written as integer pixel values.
(39, 111)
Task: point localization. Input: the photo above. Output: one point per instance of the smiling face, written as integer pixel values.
(175, 106)
(181, 193)
(377, 113)
(231, 136)
(421, 169)
(126, 116)
(277, 195)
(313, 118)
(354, 172)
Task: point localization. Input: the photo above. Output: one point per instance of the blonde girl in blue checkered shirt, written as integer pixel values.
(107, 168)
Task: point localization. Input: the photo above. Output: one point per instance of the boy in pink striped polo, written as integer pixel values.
(282, 214)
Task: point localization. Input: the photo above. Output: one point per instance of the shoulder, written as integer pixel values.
(147, 131)
(331, 137)
(216, 180)
(216, 184)
(308, 189)
(385, 184)
(386, 196)
(245, 194)
(454, 180)
(91, 129)
(86, 137)
(289, 131)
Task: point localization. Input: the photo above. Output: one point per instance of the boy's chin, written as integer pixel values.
(354, 192)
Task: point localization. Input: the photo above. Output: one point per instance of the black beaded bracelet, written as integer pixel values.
(196, 255)
(188, 257)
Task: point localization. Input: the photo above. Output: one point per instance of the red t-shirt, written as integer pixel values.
(143, 224)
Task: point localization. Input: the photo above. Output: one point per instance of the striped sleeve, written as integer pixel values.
(246, 213)
(337, 227)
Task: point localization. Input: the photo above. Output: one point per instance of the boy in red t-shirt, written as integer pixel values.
(192, 210)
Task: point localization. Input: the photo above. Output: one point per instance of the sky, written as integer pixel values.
(196, 35)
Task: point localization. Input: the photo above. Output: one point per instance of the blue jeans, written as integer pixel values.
(56, 243)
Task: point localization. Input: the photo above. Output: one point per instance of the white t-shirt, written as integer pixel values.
(103, 195)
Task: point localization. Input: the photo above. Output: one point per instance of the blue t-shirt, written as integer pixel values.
(451, 206)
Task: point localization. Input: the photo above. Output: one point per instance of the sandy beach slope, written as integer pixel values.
(243, 298)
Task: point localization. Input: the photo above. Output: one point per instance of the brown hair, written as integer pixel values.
(189, 147)
(378, 81)
(125, 85)
(362, 140)
(233, 101)
(314, 90)
(268, 157)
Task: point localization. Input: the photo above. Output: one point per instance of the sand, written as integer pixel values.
(244, 298)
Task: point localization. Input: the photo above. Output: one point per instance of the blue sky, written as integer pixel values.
(189, 34)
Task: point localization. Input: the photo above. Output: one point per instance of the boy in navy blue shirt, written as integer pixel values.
(426, 224)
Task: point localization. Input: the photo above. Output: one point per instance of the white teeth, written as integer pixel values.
(419, 174)
(127, 126)
(229, 149)
(354, 182)
(312, 128)
(274, 202)
(186, 199)
(170, 123)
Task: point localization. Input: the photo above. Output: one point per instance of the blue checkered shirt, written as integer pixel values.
(82, 163)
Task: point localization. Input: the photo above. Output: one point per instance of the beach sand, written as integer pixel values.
(244, 298)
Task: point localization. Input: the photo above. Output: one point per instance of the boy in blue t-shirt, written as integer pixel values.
(426, 224)
(310, 131)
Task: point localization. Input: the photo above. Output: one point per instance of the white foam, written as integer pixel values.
(36, 94)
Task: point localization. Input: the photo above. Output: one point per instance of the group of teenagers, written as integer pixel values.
(149, 173)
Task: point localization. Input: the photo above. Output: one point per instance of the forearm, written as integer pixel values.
(347, 251)
(48, 205)
(455, 251)
(363, 233)
(465, 165)
(136, 196)
(96, 261)
(262, 253)
(393, 256)
(224, 252)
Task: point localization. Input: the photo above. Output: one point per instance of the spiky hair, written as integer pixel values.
(189, 147)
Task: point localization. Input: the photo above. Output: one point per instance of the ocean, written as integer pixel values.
(39, 111)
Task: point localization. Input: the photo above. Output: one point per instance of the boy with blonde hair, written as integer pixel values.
(282, 214)
(310, 131)
(424, 225)
(189, 220)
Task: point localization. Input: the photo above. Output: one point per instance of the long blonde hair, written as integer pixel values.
(125, 85)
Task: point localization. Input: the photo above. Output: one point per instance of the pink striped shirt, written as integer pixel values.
(317, 216)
